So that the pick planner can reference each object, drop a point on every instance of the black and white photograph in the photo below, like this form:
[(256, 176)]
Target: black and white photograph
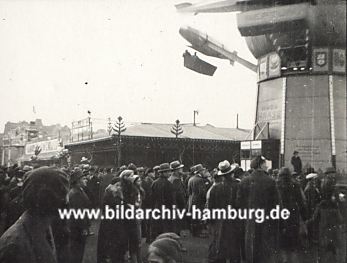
[(173, 131)]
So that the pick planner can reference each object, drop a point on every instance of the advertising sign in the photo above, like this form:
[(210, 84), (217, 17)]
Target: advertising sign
[(274, 65), (46, 146)]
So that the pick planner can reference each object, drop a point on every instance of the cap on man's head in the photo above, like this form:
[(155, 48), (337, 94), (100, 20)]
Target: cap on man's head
[(45, 190), (156, 168), (295, 152)]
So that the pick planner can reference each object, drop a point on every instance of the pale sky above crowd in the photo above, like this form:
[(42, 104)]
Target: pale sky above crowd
[(130, 54)]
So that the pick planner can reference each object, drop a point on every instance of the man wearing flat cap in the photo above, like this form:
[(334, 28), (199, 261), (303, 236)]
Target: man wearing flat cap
[(162, 195), (30, 239)]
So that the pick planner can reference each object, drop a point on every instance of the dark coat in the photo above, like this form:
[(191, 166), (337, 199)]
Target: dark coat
[(259, 191), (78, 199), (332, 243), (227, 233), (162, 193), (197, 192), (23, 243), (297, 165), (112, 237), (293, 199), (179, 192)]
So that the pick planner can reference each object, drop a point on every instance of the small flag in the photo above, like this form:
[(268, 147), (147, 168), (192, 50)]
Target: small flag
[(34, 110)]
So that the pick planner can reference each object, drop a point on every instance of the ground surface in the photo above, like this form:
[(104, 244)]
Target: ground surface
[(197, 249)]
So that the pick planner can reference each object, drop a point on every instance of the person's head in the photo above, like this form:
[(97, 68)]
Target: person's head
[(44, 191), (259, 162), (141, 171), (165, 170), (177, 167), (115, 187), (164, 250), (225, 169), (79, 178), (199, 170), (296, 153), (132, 167)]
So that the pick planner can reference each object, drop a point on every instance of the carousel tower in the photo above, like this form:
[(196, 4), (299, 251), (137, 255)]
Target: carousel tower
[(301, 51)]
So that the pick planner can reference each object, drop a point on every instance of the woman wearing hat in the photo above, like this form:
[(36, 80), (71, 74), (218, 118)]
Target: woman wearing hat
[(112, 238)]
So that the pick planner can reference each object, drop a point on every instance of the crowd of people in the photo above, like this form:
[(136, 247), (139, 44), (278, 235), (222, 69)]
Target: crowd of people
[(32, 232)]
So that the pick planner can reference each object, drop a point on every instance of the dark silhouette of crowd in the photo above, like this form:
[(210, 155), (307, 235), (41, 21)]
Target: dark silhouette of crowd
[(31, 230)]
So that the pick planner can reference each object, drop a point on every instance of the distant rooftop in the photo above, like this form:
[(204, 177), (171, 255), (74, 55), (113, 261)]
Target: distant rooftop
[(162, 130)]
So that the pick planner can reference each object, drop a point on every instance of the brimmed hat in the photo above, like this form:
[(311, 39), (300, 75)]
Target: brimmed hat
[(330, 170), (126, 173), (164, 167), (295, 152), (176, 165), (198, 168), (311, 176), (224, 168), (156, 168)]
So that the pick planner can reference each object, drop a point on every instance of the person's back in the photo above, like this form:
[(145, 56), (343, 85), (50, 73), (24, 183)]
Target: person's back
[(30, 239)]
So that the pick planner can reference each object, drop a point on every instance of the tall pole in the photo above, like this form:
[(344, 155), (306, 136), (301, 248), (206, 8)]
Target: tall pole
[(195, 113), (237, 121)]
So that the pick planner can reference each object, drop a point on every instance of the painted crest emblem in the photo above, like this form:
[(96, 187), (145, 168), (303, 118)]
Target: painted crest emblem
[(321, 58)]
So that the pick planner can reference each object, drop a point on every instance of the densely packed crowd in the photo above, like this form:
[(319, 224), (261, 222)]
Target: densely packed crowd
[(32, 231)]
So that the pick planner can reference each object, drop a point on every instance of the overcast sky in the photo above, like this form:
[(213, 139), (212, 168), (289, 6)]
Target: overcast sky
[(130, 54)]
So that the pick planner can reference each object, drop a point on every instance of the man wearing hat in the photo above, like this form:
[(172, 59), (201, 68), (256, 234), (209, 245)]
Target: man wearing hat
[(197, 196), (79, 228), (30, 239), (258, 191), (226, 244), (179, 191), (162, 195)]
